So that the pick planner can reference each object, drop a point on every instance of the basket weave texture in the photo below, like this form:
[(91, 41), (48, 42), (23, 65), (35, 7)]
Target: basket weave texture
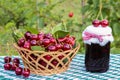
[(57, 62)]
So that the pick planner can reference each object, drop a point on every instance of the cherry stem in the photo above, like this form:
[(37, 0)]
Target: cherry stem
[(100, 10)]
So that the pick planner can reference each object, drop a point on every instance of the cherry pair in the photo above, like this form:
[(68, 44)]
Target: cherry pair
[(103, 23)]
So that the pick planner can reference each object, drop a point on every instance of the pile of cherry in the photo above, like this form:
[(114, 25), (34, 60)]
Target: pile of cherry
[(15, 66), (46, 41)]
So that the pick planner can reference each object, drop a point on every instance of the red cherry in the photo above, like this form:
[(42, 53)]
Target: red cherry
[(54, 62), (66, 47), (34, 37), (27, 35), (18, 71), (33, 42), (61, 56), (51, 48), (43, 63), (58, 46), (70, 40), (14, 66), (7, 66), (40, 36), (45, 42), (96, 23), (16, 60), (33, 57), (52, 40), (48, 36), (27, 45), (61, 39), (21, 42), (7, 59), (71, 14), (48, 57), (104, 23), (26, 72)]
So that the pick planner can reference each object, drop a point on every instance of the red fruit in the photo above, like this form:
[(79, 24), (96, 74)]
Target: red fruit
[(45, 42), (33, 57), (34, 37), (43, 63), (50, 67), (16, 60), (26, 73), (54, 62), (52, 40), (51, 48), (14, 66), (61, 56), (7, 66), (66, 47), (7, 59), (33, 42), (48, 36), (58, 46), (40, 36), (71, 14), (48, 57), (62, 39), (96, 23), (27, 35), (27, 45), (70, 40), (21, 42), (18, 71), (104, 23)]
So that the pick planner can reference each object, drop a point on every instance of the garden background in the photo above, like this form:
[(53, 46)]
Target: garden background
[(18, 16)]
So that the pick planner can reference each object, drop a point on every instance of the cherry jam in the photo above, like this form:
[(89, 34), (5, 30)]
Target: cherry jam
[(97, 57)]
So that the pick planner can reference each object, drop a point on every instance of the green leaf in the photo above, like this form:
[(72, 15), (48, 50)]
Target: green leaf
[(57, 27), (37, 48), (32, 30), (60, 34)]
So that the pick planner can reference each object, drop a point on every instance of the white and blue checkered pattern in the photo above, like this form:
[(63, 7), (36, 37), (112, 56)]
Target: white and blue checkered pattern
[(75, 72)]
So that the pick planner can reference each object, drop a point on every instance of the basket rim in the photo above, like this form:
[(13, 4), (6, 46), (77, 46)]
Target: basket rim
[(16, 46)]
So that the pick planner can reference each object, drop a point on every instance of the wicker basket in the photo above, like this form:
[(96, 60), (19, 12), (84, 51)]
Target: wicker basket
[(36, 62)]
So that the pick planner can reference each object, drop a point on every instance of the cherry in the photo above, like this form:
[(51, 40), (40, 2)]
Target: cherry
[(70, 40), (33, 42), (66, 47), (104, 23), (61, 56), (27, 35), (27, 45), (96, 23), (47, 57), (33, 56), (26, 72), (7, 66), (61, 39), (34, 37), (16, 60), (7, 59), (54, 62), (40, 36), (52, 40), (14, 66), (21, 42), (45, 42), (58, 46), (43, 63), (50, 67), (48, 36), (18, 71), (71, 14), (51, 48)]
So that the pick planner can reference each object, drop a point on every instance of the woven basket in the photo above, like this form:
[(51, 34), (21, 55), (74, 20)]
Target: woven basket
[(36, 62)]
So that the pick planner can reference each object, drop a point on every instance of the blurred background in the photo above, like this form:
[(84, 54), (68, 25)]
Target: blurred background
[(22, 15)]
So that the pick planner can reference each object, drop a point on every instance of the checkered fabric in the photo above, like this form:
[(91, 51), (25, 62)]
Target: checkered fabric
[(75, 72)]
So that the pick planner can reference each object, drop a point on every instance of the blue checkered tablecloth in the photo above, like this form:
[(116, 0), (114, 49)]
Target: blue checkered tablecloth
[(75, 72)]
